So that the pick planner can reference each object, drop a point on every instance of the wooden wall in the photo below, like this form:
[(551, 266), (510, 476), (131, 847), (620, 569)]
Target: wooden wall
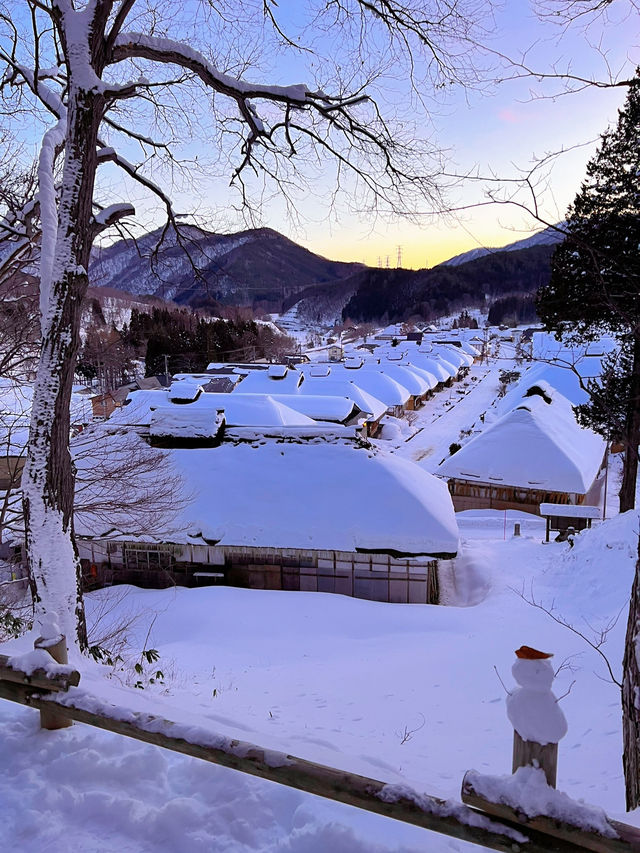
[(376, 577), (466, 495)]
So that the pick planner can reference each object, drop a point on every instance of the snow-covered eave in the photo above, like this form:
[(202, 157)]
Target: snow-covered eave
[(187, 538), (469, 478), (404, 555), (321, 431)]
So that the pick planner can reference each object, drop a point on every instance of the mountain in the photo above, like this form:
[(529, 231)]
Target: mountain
[(396, 295), (258, 267), (548, 237)]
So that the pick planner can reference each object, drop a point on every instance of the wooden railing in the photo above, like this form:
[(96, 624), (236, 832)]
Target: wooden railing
[(57, 696)]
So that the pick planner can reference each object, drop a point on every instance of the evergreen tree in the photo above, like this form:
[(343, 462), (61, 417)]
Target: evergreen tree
[(595, 288), (595, 273), (606, 410)]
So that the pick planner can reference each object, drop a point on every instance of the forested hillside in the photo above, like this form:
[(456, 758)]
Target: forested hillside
[(396, 295)]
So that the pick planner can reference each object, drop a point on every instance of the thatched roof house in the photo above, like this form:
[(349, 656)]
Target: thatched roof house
[(535, 453)]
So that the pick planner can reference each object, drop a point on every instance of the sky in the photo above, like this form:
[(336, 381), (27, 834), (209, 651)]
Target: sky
[(498, 130), (502, 130), (503, 133)]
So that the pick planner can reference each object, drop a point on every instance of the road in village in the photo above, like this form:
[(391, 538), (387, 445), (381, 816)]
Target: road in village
[(440, 421)]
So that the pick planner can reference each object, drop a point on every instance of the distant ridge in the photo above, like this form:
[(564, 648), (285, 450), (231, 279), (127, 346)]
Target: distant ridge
[(547, 237)]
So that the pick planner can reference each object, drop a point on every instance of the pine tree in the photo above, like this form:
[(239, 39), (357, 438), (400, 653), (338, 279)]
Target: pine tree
[(595, 288), (595, 273)]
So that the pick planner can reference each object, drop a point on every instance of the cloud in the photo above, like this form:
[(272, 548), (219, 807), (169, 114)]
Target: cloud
[(509, 116)]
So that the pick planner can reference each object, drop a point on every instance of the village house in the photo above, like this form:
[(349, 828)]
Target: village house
[(373, 410), (317, 380), (276, 379), (292, 511), (104, 405), (536, 453), (415, 381), (369, 377), (443, 371)]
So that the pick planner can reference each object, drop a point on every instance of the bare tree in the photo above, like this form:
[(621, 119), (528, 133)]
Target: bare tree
[(105, 87), (19, 327), (15, 410), (124, 484)]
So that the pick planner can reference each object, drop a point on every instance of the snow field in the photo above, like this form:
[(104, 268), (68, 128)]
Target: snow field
[(402, 693)]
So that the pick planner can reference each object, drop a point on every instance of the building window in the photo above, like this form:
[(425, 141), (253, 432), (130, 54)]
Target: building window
[(147, 559)]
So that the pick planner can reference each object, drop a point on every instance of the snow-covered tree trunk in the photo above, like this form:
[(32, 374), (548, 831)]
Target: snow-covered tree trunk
[(48, 481), (631, 697), (632, 435)]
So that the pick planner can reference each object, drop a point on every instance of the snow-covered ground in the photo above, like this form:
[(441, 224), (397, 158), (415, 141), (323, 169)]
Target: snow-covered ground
[(402, 693)]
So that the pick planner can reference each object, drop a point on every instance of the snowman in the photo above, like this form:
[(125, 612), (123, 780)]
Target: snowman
[(532, 707)]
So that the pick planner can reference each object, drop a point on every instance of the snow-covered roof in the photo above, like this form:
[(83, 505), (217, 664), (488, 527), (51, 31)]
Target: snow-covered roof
[(546, 346), (185, 389), (204, 378), (311, 496), (253, 410), (354, 362), (284, 380), (321, 369), (537, 445), (320, 407), (435, 366), (393, 354), (465, 346), (337, 387), (289, 412), (428, 377), (528, 386), (137, 411), (563, 379), (370, 378), (185, 422), (277, 371), (570, 511), (243, 416), (415, 382), (452, 354)]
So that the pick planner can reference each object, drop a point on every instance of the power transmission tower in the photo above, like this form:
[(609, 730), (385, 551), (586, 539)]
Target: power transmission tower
[(399, 262)]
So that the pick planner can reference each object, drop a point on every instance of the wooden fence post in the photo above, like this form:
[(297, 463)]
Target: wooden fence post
[(529, 753), (57, 648)]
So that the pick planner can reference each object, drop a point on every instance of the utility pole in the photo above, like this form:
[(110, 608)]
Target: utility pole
[(166, 368)]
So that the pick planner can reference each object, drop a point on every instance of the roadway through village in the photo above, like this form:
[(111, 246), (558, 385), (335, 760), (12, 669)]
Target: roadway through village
[(441, 420)]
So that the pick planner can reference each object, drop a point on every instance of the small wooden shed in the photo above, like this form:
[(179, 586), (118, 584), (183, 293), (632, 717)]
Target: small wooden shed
[(561, 517)]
